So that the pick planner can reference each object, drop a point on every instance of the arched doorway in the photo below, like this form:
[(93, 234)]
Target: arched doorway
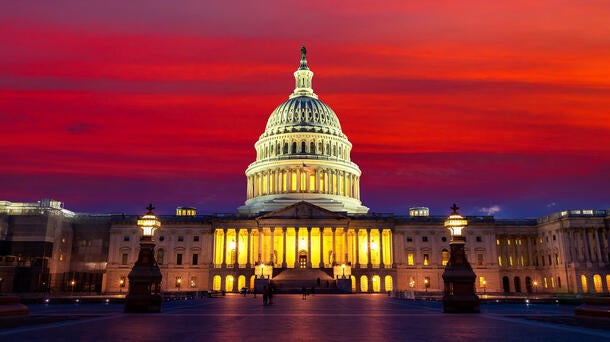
[(241, 282), (506, 284), (302, 259), (528, 284), (353, 283), (517, 282)]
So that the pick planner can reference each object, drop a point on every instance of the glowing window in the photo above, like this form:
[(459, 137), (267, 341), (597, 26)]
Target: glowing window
[(410, 259), (426, 259), (229, 283), (583, 281), (444, 257), (597, 283), (389, 284), (312, 182), (216, 283), (364, 284)]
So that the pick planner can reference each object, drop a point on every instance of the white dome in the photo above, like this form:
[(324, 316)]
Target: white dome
[(303, 156)]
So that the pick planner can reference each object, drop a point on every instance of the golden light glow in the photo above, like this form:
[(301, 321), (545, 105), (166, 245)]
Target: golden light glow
[(302, 244), (456, 223), (232, 244), (149, 223)]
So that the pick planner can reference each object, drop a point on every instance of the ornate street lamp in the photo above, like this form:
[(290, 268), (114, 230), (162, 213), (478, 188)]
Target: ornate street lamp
[(459, 278), (144, 293)]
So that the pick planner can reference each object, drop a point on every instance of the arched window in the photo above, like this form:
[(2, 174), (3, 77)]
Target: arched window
[(285, 148), (229, 283), (364, 284), (389, 284), (216, 283), (376, 283), (353, 278), (241, 282), (597, 283), (303, 147), (312, 147), (294, 147), (583, 281)]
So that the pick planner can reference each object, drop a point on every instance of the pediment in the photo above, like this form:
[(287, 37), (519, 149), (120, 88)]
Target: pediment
[(303, 210)]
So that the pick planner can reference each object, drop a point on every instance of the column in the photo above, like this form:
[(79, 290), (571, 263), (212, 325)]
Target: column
[(357, 245), (271, 254), (308, 246), (588, 256), (381, 262), (260, 245), (236, 247), (248, 261), (284, 232), (334, 230), (368, 250), (345, 250), (296, 247), (321, 248), (298, 179), (599, 244)]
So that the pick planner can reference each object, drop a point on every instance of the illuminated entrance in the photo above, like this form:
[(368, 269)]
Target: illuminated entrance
[(302, 259)]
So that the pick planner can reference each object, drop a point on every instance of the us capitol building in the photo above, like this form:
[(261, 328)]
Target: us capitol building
[(302, 224)]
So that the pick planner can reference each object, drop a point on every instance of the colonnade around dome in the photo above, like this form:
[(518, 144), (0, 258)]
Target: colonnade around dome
[(304, 179), (321, 146)]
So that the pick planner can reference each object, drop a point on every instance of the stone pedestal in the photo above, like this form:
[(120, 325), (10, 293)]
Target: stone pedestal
[(144, 281), (344, 284), (459, 295)]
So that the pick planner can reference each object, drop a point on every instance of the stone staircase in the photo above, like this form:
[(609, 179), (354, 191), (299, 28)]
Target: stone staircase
[(292, 280)]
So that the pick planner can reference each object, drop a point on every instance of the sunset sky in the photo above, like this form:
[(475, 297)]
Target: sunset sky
[(500, 106)]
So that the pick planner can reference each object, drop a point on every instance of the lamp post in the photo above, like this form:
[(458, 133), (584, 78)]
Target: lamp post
[(426, 284), (72, 283), (262, 271), (535, 286), (343, 268), (459, 278), (144, 293), (484, 283), (121, 285)]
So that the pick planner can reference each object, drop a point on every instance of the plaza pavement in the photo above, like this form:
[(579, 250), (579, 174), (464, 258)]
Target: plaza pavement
[(358, 317)]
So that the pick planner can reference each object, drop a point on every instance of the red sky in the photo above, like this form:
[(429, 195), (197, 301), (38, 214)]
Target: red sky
[(502, 107)]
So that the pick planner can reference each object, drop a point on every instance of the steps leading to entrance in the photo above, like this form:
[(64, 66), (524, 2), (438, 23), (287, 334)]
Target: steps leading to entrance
[(292, 280)]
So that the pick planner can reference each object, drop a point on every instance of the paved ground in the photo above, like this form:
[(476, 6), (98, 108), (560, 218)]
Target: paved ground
[(319, 318)]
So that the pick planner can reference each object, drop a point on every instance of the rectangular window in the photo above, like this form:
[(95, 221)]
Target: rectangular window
[(180, 238), (480, 259), (424, 239), (195, 259), (409, 239), (426, 260), (179, 259), (410, 259), (124, 258), (499, 261), (125, 238), (196, 238), (479, 239)]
